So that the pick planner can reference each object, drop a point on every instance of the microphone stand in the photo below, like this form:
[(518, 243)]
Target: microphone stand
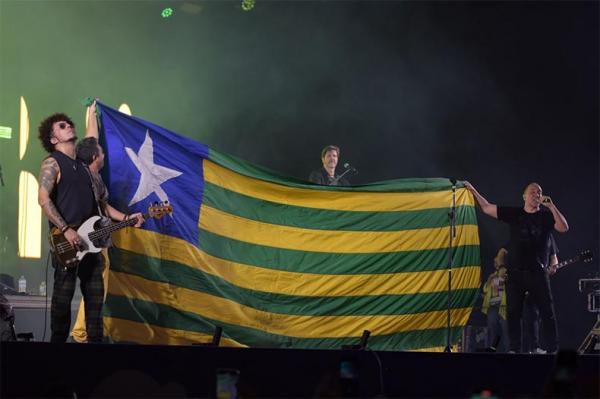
[(337, 178), (451, 236)]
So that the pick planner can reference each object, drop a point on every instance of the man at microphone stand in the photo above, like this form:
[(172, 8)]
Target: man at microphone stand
[(326, 175)]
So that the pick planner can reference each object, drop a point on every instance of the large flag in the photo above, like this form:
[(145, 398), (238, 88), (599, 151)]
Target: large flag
[(275, 261)]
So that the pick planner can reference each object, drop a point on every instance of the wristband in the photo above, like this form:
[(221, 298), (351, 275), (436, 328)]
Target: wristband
[(65, 228)]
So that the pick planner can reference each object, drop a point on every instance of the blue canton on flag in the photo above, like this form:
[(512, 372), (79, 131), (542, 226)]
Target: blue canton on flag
[(146, 163)]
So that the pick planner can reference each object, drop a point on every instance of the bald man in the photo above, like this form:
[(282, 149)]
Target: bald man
[(529, 251)]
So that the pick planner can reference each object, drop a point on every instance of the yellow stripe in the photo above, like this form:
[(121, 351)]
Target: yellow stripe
[(289, 237), (283, 282), (122, 330), (228, 311), (335, 200), (454, 348)]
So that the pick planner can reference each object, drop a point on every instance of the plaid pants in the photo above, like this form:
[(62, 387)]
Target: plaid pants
[(89, 272)]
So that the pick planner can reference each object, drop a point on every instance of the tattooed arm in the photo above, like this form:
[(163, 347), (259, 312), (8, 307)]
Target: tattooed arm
[(49, 176)]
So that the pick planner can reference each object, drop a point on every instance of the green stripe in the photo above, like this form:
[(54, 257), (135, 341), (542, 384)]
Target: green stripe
[(183, 276), (399, 185), (334, 263), (168, 317), (323, 219)]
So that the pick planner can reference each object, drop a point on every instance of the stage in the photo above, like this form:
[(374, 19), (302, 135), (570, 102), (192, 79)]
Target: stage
[(31, 369)]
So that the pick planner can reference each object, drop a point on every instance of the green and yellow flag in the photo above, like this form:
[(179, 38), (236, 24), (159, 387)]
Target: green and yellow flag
[(279, 262)]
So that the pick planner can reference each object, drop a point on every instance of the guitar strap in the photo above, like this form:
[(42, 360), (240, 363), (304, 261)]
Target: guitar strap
[(95, 190)]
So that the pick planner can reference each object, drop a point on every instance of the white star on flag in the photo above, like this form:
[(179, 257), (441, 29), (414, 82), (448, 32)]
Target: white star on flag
[(153, 175)]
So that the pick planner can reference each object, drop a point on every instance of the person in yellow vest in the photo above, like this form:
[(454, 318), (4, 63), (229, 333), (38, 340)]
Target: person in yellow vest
[(494, 304)]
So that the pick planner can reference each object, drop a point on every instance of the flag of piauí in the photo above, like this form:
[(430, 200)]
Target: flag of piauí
[(276, 261)]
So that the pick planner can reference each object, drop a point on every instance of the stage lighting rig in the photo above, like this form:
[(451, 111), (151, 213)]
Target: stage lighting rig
[(591, 286)]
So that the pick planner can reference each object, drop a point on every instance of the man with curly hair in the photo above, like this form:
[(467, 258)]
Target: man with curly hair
[(67, 197)]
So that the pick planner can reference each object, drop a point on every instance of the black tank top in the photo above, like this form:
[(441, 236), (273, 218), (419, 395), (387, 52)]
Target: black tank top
[(73, 196)]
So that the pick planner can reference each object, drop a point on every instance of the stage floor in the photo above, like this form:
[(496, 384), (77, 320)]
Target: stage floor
[(37, 369)]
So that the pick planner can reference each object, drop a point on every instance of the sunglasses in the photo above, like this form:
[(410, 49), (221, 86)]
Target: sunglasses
[(63, 125)]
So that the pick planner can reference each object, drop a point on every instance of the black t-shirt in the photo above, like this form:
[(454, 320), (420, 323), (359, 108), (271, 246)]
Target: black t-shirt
[(530, 243), (320, 176)]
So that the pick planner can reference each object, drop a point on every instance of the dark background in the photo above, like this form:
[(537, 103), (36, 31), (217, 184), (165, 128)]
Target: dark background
[(497, 93)]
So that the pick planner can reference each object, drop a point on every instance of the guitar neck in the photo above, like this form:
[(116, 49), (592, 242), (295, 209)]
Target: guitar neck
[(105, 231), (567, 262)]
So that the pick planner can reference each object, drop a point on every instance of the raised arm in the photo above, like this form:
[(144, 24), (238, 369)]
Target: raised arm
[(560, 222), (486, 207), (92, 122), (49, 176)]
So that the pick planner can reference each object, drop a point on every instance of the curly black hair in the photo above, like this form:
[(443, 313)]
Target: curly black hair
[(45, 129)]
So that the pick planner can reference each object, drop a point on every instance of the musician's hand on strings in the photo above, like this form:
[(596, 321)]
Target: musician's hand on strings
[(139, 217), (73, 238)]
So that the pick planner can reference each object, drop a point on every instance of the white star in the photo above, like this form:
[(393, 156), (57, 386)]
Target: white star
[(153, 175)]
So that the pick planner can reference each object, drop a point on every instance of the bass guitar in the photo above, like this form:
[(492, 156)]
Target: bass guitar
[(585, 256), (93, 233)]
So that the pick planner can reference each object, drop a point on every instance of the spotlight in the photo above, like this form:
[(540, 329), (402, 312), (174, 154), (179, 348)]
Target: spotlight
[(248, 5), (5, 132), (167, 12)]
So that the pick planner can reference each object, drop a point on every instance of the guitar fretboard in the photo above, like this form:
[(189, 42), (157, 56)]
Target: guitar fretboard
[(107, 230), (567, 262), (585, 256)]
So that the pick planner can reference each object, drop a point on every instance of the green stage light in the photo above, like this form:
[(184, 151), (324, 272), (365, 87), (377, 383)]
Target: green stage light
[(248, 5), (5, 132), (167, 12)]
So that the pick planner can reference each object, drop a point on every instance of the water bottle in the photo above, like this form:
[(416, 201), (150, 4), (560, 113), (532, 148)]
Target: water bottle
[(22, 284), (43, 288)]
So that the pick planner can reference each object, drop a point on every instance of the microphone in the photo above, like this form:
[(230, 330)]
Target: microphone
[(350, 168)]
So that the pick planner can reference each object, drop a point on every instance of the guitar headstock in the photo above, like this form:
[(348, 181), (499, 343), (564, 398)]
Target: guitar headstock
[(160, 209), (586, 256)]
